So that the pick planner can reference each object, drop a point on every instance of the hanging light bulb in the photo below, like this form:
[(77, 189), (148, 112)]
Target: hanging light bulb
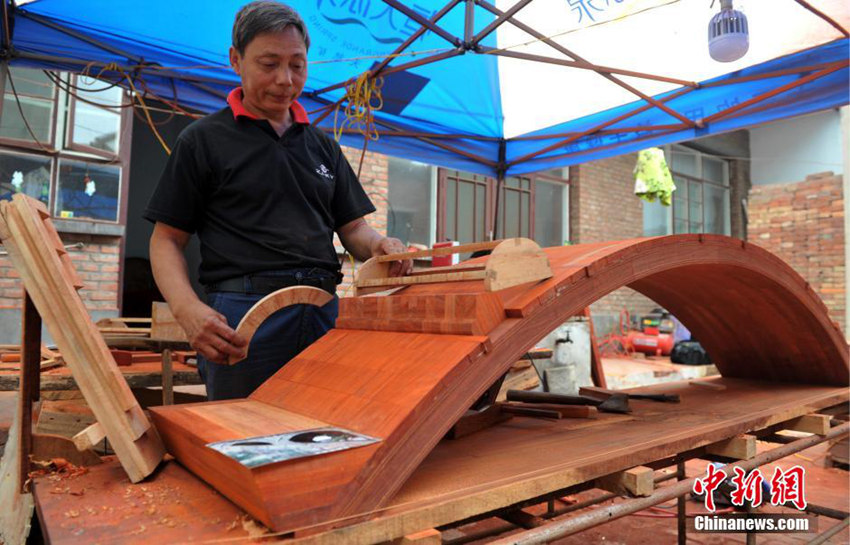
[(728, 34)]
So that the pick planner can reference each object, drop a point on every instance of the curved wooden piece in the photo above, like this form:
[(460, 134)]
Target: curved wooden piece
[(515, 261), (271, 303), (754, 315)]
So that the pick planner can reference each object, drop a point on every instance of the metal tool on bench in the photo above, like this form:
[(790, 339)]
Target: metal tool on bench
[(602, 394), (617, 403)]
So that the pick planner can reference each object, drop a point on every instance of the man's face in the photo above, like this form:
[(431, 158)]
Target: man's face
[(273, 71)]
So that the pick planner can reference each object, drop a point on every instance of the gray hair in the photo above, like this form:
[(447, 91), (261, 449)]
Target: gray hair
[(265, 16)]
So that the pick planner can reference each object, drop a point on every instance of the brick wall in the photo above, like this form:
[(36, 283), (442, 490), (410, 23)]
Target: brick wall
[(96, 262), (603, 207), (374, 179), (803, 223)]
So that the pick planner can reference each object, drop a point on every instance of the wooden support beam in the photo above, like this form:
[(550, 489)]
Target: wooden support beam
[(637, 481), (30, 377), (167, 378), (425, 537), (742, 447), (89, 437), (810, 423)]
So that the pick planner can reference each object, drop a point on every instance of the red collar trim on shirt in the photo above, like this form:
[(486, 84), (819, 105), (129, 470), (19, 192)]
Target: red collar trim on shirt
[(234, 100)]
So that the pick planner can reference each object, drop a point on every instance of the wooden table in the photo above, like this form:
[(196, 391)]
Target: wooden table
[(509, 463), (138, 375)]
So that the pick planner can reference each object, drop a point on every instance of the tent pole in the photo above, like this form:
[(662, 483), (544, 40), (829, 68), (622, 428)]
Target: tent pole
[(7, 30), (469, 24), (776, 74), (582, 66), (825, 17), (454, 40), (597, 128), (777, 91), (381, 65), (561, 49), (501, 168), (82, 37), (499, 20)]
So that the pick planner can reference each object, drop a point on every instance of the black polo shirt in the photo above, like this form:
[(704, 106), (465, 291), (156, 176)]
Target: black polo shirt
[(258, 202)]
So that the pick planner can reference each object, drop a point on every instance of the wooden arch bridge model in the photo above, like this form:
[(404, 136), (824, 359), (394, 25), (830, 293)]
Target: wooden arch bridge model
[(404, 367)]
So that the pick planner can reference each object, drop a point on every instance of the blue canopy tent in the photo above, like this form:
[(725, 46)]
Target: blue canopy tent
[(456, 92)]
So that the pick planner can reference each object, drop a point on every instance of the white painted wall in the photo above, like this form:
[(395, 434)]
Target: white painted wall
[(789, 150)]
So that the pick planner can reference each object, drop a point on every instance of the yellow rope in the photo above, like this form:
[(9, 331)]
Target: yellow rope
[(115, 67), (362, 96)]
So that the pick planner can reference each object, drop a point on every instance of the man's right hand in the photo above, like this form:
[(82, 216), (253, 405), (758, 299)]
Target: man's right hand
[(209, 333)]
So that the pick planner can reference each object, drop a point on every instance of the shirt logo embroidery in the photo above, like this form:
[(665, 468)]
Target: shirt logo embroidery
[(324, 172)]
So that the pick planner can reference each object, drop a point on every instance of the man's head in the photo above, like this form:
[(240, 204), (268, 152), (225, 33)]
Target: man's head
[(269, 53)]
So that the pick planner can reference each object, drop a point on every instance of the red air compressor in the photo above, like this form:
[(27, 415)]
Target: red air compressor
[(656, 335)]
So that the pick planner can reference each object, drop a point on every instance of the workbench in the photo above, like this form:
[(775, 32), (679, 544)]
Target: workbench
[(513, 463)]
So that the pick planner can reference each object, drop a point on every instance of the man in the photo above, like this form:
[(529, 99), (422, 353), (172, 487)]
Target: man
[(265, 191)]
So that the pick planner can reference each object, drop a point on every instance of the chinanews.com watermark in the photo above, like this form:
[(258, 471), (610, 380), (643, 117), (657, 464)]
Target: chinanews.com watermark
[(786, 487)]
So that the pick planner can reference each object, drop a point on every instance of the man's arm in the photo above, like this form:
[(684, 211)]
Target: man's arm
[(206, 329), (364, 242)]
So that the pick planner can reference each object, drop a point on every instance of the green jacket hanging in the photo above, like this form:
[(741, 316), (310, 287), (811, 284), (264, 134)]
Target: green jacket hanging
[(652, 177)]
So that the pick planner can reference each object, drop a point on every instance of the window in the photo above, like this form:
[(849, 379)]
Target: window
[(27, 174), (533, 206), (701, 200), (37, 95), (77, 165), (411, 191)]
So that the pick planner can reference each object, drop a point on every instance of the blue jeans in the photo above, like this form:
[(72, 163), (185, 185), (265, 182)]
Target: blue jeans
[(280, 338)]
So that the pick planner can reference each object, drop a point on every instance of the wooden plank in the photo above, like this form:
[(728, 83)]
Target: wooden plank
[(164, 326), (89, 437), (271, 303), (421, 279), (458, 480), (566, 411), (448, 250), (742, 447), (597, 372), (27, 240), (636, 481), (810, 423), (65, 418), (16, 514)]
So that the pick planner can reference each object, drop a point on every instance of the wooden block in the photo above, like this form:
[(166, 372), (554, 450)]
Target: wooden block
[(595, 392), (523, 519), (425, 537), (637, 481), (164, 326), (527, 379), (129, 357), (89, 437), (49, 447), (516, 261), (65, 418), (742, 447), (474, 421), (810, 423)]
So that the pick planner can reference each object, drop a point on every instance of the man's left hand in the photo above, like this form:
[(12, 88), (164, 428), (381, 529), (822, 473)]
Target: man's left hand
[(388, 245)]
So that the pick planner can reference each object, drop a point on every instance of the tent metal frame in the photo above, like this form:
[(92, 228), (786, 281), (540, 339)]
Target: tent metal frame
[(470, 42)]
